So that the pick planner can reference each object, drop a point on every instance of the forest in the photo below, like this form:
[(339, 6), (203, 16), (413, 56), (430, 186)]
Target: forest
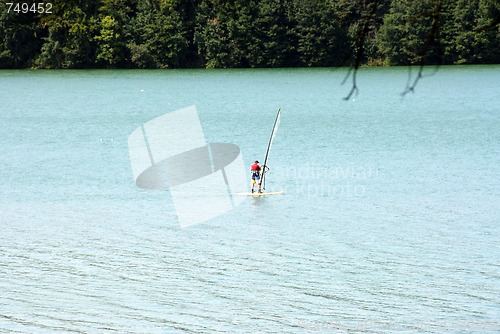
[(150, 34)]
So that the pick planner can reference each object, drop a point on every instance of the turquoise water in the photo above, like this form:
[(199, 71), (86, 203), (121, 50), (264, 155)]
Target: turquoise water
[(389, 221)]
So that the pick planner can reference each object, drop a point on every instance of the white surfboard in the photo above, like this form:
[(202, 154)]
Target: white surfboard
[(257, 194)]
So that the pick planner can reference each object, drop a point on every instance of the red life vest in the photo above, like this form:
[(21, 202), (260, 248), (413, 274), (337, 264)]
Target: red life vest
[(255, 167)]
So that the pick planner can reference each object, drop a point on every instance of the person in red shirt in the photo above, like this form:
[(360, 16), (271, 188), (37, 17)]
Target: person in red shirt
[(255, 171)]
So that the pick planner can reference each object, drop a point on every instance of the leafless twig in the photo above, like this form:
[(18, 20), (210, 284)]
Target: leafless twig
[(360, 42), (431, 37)]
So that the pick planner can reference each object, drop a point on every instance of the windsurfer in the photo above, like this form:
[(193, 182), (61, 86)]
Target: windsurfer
[(255, 172)]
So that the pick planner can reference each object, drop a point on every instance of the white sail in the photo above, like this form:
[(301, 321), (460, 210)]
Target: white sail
[(273, 134), (275, 130)]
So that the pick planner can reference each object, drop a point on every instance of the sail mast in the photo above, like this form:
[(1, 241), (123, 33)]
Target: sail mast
[(273, 134)]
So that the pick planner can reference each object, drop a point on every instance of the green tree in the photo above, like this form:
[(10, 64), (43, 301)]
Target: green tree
[(273, 42), (216, 45), (245, 33), (52, 54), (250, 33), (471, 35), (160, 39), (187, 10), (321, 32), (109, 42), (68, 41), (114, 32), (19, 38), (408, 35)]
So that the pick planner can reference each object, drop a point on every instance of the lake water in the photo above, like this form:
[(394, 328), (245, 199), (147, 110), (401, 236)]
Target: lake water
[(389, 221)]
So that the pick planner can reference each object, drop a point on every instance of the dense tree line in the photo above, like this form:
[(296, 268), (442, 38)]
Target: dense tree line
[(249, 33)]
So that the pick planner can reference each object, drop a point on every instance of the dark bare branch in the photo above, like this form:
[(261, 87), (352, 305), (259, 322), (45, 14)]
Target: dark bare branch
[(368, 18), (431, 38)]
